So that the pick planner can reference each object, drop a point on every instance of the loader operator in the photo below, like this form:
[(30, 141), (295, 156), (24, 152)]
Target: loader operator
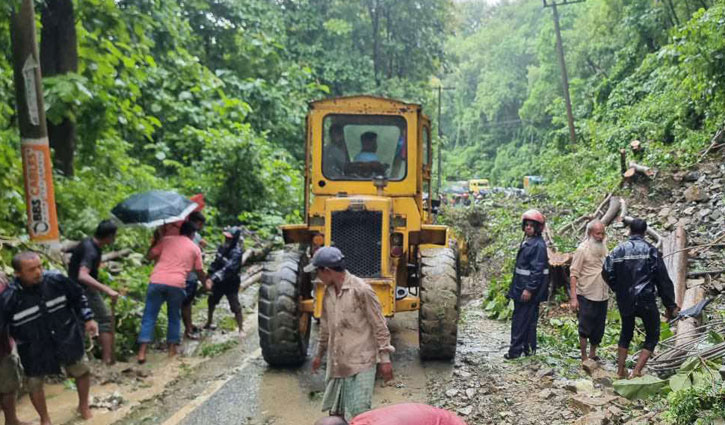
[(353, 333), (529, 285), (369, 149)]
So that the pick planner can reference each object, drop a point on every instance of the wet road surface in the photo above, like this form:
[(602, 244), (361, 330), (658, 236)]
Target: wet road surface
[(238, 387)]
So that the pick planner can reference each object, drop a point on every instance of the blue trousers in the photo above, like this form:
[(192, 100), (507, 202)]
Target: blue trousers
[(156, 295), (523, 328)]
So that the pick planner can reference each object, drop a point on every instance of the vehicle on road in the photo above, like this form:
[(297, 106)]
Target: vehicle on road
[(475, 186), (368, 166)]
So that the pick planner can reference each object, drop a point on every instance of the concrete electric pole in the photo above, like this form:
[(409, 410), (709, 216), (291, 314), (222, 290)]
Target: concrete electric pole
[(562, 63), (34, 148)]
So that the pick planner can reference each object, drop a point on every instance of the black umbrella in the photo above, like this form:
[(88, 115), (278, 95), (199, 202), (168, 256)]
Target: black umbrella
[(153, 208)]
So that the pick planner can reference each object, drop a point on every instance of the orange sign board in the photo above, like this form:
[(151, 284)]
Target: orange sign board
[(39, 193)]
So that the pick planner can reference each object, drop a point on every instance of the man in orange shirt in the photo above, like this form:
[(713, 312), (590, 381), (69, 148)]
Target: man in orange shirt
[(399, 414)]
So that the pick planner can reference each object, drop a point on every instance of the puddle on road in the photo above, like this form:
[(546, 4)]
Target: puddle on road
[(62, 401), (295, 396)]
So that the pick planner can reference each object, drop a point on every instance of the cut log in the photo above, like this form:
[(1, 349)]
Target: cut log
[(674, 254), (686, 326), (642, 169)]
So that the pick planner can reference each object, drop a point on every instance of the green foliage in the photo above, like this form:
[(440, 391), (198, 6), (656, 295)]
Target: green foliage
[(637, 70), (696, 406), (695, 373), (642, 387), (497, 305)]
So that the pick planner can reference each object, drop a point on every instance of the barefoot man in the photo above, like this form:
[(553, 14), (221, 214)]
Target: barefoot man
[(48, 314)]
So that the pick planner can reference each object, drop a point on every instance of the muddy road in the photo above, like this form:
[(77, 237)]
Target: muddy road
[(238, 387)]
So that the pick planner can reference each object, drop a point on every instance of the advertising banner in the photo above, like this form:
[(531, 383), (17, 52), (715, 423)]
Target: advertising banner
[(40, 197)]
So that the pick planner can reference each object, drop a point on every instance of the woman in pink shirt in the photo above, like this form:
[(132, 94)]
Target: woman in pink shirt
[(175, 257), (399, 414)]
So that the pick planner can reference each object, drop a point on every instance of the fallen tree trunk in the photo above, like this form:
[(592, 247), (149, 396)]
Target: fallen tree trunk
[(714, 143), (705, 273), (650, 231), (116, 254), (614, 205), (256, 254), (687, 326), (251, 280), (68, 246), (674, 254)]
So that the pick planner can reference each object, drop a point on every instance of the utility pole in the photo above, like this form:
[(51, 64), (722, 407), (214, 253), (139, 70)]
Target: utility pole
[(440, 136), (34, 148), (562, 64)]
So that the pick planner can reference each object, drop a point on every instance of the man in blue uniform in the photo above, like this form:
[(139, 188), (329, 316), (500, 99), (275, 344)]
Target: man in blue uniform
[(529, 285)]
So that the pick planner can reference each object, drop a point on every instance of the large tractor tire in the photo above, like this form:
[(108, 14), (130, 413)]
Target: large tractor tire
[(440, 290), (284, 331)]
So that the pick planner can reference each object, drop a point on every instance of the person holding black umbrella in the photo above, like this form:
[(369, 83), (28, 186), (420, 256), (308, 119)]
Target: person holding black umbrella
[(175, 257)]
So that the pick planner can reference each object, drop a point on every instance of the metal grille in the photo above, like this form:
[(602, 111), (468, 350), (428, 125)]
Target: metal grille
[(358, 234)]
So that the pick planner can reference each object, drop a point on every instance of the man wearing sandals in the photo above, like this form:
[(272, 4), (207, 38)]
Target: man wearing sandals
[(636, 273), (589, 292)]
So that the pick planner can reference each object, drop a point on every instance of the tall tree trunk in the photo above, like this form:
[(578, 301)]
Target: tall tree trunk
[(59, 55), (374, 11), (674, 12)]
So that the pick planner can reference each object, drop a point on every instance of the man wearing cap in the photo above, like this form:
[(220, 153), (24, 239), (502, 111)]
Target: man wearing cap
[(353, 333), (224, 276), (529, 285)]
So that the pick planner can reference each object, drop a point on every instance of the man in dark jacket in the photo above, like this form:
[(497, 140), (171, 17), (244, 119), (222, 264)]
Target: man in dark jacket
[(636, 273), (44, 312), (10, 371), (224, 276), (83, 268), (529, 285)]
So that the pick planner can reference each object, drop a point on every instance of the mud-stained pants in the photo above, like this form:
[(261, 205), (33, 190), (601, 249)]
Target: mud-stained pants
[(523, 328)]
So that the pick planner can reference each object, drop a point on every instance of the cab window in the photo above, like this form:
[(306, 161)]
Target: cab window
[(361, 147)]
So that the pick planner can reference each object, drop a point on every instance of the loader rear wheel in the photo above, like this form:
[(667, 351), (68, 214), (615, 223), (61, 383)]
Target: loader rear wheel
[(439, 303), (284, 331)]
